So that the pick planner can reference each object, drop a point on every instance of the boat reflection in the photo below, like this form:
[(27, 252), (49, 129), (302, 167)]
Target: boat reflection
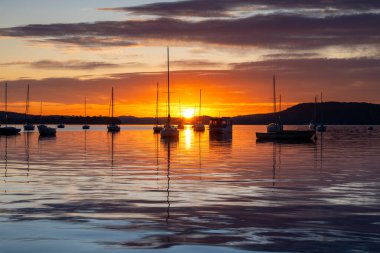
[(27, 142)]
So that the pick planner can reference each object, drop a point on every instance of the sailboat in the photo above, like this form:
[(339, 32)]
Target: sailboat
[(113, 127), (313, 123), (169, 131), (275, 131), (321, 127), (157, 128), (85, 126), (43, 129), (28, 126), (198, 126), (8, 130)]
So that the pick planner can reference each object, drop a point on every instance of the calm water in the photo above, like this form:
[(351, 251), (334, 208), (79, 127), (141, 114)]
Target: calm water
[(90, 191)]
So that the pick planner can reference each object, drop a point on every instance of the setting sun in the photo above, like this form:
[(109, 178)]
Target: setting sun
[(188, 113)]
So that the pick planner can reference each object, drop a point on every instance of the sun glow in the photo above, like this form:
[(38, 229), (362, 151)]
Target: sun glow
[(188, 113)]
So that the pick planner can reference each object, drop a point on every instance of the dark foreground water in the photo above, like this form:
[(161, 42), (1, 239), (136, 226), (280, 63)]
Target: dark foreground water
[(90, 191)]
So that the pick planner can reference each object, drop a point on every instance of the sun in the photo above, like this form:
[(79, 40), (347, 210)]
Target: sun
[(188, 113)]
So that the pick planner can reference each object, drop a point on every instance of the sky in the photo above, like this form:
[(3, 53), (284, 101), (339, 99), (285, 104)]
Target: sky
[(69, 50)]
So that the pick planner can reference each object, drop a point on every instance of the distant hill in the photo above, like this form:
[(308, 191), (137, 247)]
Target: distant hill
[(334, 113)]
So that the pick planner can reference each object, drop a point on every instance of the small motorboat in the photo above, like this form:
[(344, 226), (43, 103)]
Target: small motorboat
[(220, 125), (113, 127), (61, 125), (46, 131), (85, 127), (157, 129), (29, 127)]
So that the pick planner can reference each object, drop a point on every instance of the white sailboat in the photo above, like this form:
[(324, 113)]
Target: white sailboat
[(28, 126), (7, 130), (199, 126), (85, 126), (113, 127), (276, 126), (169, 131), (321, 127), (313, 123)]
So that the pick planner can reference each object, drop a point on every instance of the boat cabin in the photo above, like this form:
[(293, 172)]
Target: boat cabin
[(220, 125)]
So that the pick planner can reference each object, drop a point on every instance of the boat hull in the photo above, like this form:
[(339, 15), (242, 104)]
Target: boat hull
[(157, 129), (85, 127), (286, 135), (113, 128), (169, 132), (46, 131), (29, 127), (61, 126), (321, 128), (9, 130), (199, 128)]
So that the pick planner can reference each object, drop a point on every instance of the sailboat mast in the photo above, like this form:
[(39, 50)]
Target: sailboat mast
[(85, 107), (157, 106), (274, 94), (27, 104), (200, 102), (279, 110), (6, 104), (321, 109), (168, 88), (112, 104), (315, 110), (41, 112)]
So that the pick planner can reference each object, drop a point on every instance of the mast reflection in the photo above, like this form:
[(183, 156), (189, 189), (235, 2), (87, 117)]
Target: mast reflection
[(168, 144), (27, 137)]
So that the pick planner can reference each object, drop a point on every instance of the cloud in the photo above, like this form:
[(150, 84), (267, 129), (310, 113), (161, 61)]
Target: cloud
[(224, 8), (196, 64), (64, 65), (268, 31)]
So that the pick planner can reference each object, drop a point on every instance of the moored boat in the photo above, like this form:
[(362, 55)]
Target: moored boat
[(85, 126), (112, 127), (275, 131), (169, 131), (157, 128), (287, 135), (321, 127), (7, 130), (220, 125), (199, 126), (28, 126), (46, 131)]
